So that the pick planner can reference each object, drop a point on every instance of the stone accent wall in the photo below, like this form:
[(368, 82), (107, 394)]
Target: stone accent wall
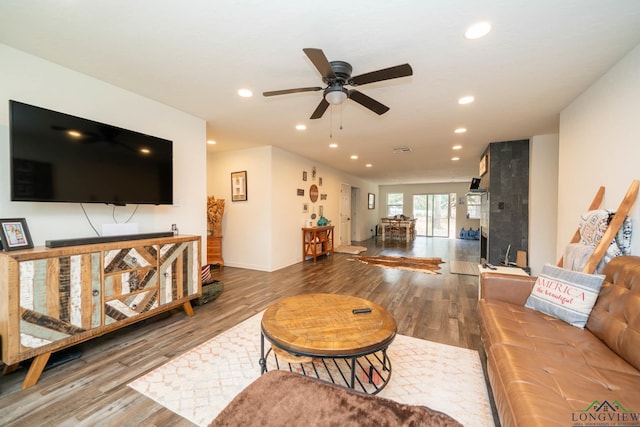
[(507, 182)]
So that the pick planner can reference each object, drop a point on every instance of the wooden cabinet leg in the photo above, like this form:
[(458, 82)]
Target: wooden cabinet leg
[(188, 309), (37, 366), (10, 368)]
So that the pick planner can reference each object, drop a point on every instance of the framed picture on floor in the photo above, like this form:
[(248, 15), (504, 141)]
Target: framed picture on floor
[(14, 234)]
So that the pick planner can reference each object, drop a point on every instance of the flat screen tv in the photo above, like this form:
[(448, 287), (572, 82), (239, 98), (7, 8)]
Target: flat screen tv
[(475, 184), (57, 157)]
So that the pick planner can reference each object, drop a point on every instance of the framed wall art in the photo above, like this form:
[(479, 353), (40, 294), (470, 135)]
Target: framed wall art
[(371, 201), (239, 186), (482, 169), (14, 234)]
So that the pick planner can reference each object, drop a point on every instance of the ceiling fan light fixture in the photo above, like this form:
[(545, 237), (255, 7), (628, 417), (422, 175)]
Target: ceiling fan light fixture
[(335, 95)]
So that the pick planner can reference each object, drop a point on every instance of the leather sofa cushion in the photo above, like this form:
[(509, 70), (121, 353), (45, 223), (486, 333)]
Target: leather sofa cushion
[(615, 318), (542, 369), (547, 338)]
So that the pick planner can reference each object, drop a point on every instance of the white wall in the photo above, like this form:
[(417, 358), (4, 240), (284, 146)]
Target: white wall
[(543, 201), (38, 82), (246, 226), (264, 233), (600, 145)]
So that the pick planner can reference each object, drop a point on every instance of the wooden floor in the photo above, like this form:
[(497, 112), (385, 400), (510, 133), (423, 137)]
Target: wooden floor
[(92, 390)]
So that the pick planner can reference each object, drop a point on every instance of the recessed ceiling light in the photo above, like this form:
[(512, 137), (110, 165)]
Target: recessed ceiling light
[(301, 127), (369, 165), (245, 93), (74, 133), (466, 100), (211, 142), (333, 145), (460, 130), (456, 147), (477, 30), (145, 151), (354, 157), (455, 159)]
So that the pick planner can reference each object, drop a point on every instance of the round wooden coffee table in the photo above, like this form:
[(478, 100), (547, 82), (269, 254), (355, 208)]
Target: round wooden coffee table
[(324, 336)]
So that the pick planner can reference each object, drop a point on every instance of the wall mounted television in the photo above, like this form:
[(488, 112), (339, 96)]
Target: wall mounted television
[(57, 157)]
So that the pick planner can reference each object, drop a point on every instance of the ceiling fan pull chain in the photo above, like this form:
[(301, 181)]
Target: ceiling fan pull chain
[(331, 123), (340, 116)]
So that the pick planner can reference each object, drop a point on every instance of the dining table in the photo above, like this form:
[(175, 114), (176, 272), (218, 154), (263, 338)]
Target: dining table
[(399, 228)]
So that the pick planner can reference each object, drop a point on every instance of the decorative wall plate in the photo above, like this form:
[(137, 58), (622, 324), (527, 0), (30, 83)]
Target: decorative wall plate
[(313, 193)]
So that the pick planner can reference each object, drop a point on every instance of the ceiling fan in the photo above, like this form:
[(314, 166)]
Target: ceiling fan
[(336, 75)]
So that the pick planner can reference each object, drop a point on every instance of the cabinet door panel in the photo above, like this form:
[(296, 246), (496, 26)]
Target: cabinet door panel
[(130, 281), (130, 258), (128, 306), (179, 271), (59, 297)]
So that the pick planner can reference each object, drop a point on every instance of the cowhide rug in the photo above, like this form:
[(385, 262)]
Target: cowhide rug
[(425, 265)]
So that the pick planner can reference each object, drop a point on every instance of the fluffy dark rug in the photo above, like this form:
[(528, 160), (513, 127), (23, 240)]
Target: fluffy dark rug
[(210, 291), (280, 398), (425, 265)]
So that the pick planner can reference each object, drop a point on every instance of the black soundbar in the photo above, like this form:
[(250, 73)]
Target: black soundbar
[(104, 239)]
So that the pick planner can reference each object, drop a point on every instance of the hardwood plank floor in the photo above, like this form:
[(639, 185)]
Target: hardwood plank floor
[(92, 390)]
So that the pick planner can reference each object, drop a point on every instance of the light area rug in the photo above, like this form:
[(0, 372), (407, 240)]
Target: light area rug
[(353, 250), (464, 267), (198, 384)]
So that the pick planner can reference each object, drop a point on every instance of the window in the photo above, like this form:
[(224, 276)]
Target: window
[(395, 204), (473, 206)]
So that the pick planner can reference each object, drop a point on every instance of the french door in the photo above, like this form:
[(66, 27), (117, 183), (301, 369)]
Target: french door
[(433, 214)]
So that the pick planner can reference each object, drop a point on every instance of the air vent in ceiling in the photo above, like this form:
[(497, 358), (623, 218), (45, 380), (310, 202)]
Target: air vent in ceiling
[(402, 149)]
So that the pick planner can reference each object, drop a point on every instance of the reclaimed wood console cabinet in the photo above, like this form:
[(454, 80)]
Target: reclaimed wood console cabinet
[(53, 298)]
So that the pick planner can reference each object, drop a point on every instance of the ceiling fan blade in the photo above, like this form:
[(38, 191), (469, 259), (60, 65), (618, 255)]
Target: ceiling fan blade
[(368, 102), (403, 70), (286, 91), (321, 62), (320, 109)]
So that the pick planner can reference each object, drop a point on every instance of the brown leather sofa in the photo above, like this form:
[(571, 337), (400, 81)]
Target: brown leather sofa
[(544, 372)]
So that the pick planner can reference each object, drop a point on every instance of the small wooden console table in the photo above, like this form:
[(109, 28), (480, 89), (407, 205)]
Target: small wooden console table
[(317, 241)]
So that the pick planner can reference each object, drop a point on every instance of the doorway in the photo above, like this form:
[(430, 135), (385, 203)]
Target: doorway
[(433, 214), (344, 231)]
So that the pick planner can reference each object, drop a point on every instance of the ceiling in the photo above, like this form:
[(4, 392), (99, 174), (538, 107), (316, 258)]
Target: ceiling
[(195, 55)]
